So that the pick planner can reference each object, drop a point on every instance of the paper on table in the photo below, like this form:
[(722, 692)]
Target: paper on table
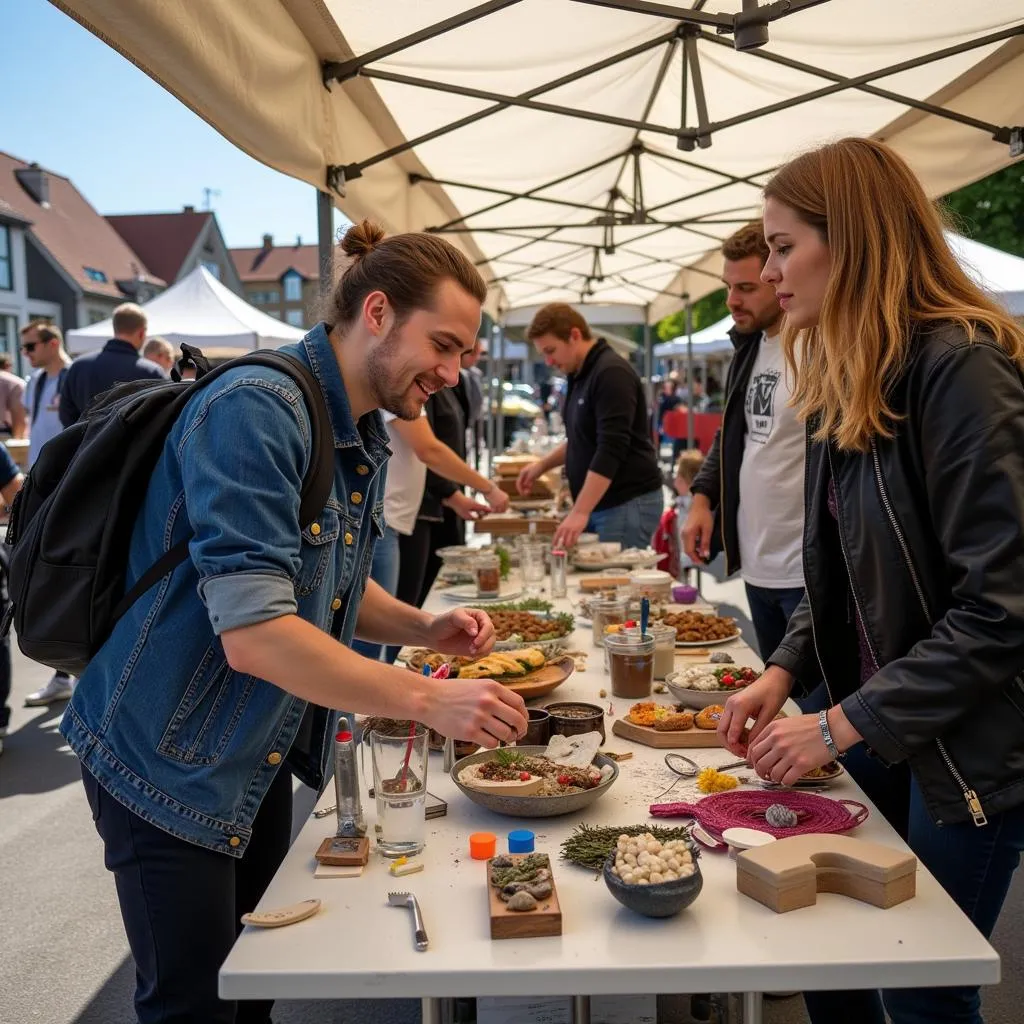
[(337, 871), (518, 1009), (573, 751)]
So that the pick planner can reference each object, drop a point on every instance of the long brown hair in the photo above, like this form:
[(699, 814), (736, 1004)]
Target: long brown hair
[(892, 272), (407, 268)]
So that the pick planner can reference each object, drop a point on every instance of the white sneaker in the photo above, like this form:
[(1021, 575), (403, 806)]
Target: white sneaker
[(58, 688)]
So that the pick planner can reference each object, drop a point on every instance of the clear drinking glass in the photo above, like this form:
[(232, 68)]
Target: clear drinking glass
[(531, 557), (400, 787)]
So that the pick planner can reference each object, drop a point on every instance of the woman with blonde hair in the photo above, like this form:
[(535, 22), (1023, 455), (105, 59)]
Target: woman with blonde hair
[(909, 379)]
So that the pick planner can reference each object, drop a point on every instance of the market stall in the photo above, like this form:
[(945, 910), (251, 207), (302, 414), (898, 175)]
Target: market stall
[(356, 946)]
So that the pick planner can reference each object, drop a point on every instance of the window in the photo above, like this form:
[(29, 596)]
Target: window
[(6, 282), (213, 268), (294, 317), (292, 287), (95, 275), (96, 315), (267, 298)]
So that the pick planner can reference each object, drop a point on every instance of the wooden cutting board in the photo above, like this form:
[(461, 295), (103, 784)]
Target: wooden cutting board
[(789, 873), (507, 526), (544, 680), (523, 924), (665, 740)]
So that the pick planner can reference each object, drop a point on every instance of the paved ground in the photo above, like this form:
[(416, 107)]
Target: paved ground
[(64, 957)]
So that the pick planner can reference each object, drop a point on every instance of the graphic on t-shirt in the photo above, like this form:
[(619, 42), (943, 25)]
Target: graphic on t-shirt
[(761, 404)]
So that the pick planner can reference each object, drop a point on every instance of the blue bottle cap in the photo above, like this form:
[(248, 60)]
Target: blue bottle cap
[(520, 841)]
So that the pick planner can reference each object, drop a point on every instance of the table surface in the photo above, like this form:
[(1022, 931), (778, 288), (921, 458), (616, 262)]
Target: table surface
[(359, 947)]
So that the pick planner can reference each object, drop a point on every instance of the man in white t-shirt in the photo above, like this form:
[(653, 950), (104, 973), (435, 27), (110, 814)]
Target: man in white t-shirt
[(748, 497), (415, 450)]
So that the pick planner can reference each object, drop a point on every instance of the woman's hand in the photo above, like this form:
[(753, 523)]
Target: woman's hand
[(789, 748), (762, 701)]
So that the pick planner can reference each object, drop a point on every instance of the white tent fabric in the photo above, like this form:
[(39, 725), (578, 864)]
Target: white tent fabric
[(999, 273), (587, 164), (198, 310), (708, 341)]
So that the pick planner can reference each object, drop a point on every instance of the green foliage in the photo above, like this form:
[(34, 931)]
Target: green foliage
[(706, 312), (991, 211)]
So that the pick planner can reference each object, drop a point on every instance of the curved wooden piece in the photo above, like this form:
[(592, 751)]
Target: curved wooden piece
[(789, 874)]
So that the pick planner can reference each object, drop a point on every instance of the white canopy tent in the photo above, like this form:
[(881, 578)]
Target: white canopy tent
[(200, 311), (712, 340), (581, 150)]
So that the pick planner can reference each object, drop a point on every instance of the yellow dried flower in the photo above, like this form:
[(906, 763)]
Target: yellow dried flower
[(711, 781)]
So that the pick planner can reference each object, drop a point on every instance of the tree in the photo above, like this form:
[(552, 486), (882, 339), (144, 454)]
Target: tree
[(991, 211), (706, 312)]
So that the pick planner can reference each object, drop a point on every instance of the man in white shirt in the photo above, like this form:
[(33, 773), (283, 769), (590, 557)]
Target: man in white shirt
[(748, 497)]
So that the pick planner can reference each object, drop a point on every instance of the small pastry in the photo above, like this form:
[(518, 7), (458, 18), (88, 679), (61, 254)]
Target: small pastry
[(675, 723), (709, 717)]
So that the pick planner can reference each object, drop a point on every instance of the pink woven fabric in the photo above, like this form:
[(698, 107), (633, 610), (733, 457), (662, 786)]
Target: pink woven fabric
[(745, 809)]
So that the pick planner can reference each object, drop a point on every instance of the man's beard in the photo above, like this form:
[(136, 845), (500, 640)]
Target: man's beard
[(388, 393)]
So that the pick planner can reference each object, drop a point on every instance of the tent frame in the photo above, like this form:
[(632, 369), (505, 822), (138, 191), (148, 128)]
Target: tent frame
[(748, 30)]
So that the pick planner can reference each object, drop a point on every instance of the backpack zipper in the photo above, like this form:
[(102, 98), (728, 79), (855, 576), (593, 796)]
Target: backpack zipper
[(970, 796)]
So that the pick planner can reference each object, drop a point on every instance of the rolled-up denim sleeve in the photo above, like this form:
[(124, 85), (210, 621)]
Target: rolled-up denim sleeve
[(243, 456)]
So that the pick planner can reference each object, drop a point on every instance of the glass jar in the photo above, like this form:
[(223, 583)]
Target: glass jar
[(630, 664), (652, 584), (487, 569), (606, 611), (664, 648)]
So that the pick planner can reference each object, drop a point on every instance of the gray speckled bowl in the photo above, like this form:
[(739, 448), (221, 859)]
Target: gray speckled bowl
[(532, 806), (662, 900)]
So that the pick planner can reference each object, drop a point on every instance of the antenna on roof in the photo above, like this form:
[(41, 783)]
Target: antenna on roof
[(208, 194)]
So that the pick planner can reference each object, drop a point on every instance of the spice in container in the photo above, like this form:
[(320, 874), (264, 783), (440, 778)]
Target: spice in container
[(630, 663), (559, 587), (346, 784), (488, 575), (651, 583), (604, 612), (664, 649)]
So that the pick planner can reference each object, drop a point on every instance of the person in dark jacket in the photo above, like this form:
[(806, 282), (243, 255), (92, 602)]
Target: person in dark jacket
[(608, 453), (748, 498), (910, 381), (116, 363)]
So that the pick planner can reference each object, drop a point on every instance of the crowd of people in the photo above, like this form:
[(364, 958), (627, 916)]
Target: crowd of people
[(867, 484)]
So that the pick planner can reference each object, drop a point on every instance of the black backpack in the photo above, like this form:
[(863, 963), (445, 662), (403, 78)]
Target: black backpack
[(72, 522)]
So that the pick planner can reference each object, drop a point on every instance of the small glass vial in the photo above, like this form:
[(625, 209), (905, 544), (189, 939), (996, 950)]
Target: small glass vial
[(346, 784), (559, 588)]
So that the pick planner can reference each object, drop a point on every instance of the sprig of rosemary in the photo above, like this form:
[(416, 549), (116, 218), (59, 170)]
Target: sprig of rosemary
[(589, 847)]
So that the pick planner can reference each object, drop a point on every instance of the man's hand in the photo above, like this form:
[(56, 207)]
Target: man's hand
[(466, 631), (527, 478), (762, 701), (569, 530), (478, 710), (697, 529), (789, 748), (497, 499), (465, 507)]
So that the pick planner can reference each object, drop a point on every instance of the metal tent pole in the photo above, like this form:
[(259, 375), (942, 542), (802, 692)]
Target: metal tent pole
[(499, 439), (325, 241), (689, 373)]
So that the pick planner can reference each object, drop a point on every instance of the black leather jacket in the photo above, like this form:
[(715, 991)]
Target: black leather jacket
[(929, 551)]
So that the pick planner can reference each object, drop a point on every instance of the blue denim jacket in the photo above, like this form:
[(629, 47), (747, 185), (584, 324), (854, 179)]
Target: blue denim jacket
[(159, 717)]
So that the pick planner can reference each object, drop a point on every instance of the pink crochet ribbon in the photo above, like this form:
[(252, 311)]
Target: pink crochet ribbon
[(745, 808)]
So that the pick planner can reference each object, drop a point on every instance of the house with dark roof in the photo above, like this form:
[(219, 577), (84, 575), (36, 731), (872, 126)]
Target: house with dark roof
[(282, 280), (15, 308), (67, 263), (172, 245)]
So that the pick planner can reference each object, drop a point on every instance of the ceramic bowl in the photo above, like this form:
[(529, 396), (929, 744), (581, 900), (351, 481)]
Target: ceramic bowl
[(699, 698), (665, 899), (533, 806)]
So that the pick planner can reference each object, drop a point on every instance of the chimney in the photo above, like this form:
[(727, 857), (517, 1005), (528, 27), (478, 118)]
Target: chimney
[(298, 241), (189, 209), (268, 242), (36, 182)]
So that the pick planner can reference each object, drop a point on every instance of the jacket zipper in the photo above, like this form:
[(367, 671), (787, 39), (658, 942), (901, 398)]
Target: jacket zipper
[(970, 796), (807, 589), (721, 482)]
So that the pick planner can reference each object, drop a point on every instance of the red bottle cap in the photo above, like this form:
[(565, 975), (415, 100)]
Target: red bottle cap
[(344, 737)]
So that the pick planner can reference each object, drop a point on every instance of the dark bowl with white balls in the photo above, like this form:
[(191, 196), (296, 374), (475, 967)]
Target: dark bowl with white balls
[(660, 899)]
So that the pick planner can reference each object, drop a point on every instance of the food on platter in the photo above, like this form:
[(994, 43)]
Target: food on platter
[(500, 665), (643, 860), (529, 626), (522, 882), (660, 717), (510, 766), (708, 678), (709, 717), (698, 627), (826, 771)]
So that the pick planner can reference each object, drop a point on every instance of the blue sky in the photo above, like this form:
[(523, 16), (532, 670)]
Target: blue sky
[(68, 98)]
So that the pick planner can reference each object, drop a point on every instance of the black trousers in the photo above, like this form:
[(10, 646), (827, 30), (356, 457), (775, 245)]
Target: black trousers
[(181, 904), (418, 565)]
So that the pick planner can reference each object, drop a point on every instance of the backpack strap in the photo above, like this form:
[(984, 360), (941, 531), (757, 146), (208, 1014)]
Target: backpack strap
[(316, 486), (37, 394)]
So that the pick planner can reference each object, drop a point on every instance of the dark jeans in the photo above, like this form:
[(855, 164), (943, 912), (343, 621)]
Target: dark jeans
[(770, 612), (383, 570), (181, 904), (974, 865), (418, 565)]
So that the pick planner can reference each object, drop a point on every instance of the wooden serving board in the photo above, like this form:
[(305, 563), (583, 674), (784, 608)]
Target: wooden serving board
[(523, 924), (544, 680), (508, 526), (665, 740), (789, 873)]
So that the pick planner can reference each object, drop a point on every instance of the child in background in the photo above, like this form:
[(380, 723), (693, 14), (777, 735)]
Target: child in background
[(668, 539)]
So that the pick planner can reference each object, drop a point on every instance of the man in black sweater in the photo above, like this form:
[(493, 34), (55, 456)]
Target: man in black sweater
[(116, 363), (608, 453)]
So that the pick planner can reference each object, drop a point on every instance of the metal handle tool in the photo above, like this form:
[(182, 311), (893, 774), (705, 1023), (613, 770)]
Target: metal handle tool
[(407, 899)]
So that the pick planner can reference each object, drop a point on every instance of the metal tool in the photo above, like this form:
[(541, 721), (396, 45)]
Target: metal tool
[(407, 899), (686, 768)]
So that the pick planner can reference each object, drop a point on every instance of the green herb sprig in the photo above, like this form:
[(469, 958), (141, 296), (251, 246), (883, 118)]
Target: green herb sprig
[(589, 847)]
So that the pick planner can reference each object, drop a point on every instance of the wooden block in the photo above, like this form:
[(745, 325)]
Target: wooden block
[(789, 874), (593, 584), (690, 738), (523, 924), (503, 525), (342, 851)]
